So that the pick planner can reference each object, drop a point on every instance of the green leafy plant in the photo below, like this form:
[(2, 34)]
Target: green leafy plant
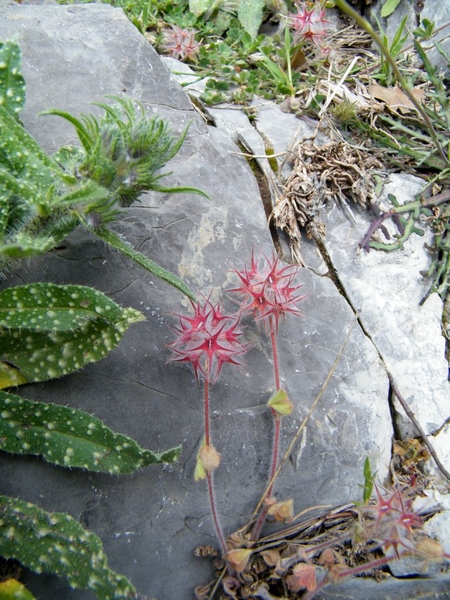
[(57, 543), (369, 478), (70, 438), (418, 140), (283, 79), (48, 330), (389, 7), (249, 12), (59, 325), (385, 74), (48, 197)]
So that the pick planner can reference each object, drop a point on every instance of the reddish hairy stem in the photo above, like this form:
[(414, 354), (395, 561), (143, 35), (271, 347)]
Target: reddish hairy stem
[(206, 411), (273, 339), (374, 564), (277, 421), (212, 502), (371, 565)]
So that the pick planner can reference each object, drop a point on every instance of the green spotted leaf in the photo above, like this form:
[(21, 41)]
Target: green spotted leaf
[(250, 15), (56, 543), (47, 330), (12, 84), (70, 437), (51, 307)]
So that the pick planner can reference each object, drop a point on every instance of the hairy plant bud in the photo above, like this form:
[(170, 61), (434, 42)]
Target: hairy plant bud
[(209, 457), (282, 511), (280, 403), (238, 559)]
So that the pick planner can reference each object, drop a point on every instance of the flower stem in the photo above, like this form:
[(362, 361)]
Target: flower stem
[(206, 410), (276, 436), (273, 339), (209, 476), (215, 516)]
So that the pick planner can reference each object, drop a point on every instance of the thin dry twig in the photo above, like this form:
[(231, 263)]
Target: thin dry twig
[(418, 426)]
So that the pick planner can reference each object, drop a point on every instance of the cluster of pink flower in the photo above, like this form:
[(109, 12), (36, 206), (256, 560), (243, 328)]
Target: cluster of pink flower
[(209, 339), (180, 43), (309, 24), (393, 519)]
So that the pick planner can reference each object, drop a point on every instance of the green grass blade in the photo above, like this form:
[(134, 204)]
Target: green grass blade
[(111, 238)]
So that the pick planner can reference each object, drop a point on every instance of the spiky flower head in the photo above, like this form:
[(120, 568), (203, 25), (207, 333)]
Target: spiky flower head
[(180, 43), (208, 340), (392, 519), (309, 23), (268, 292)]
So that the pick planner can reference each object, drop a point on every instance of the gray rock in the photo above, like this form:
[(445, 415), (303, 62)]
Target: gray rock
[(388, 589), (436, 11), (439, 526), (151, 522), (441, 444), (387, 288), (185, 76)]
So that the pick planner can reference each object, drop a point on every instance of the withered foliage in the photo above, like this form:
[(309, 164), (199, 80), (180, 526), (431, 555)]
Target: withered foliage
[(301, 559), (334, 171)]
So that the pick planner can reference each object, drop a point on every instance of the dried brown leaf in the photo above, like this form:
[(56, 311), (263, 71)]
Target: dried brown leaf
[(282, 511), (395, 97), (271, 557), (303, 576), (238, 559)]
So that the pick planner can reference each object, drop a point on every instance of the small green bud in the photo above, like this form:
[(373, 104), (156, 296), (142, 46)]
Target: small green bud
[(280, 403), (11, 589)]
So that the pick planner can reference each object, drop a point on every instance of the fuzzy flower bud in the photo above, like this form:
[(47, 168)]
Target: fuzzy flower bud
[(280, 403), (238, 559), (282, 511), (209, 457)]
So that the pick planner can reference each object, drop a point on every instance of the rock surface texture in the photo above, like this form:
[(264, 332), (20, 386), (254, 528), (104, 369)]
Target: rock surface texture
[(150, 523), (435, 11)]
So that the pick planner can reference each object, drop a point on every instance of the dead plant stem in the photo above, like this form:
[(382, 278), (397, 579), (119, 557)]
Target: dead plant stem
[(418, 426)]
